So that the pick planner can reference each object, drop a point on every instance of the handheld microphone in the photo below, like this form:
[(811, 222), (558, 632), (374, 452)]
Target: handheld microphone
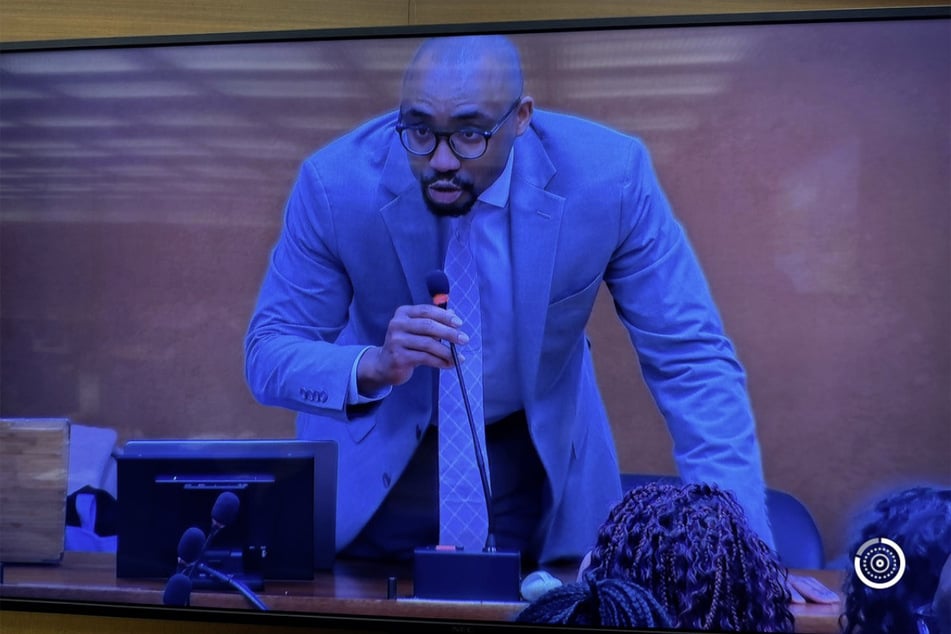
[(438, 286), (454, 574)]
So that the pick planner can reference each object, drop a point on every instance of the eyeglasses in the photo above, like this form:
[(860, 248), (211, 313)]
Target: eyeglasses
[(467, 143)]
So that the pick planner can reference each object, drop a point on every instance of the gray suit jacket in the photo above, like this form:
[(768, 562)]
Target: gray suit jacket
[(585, 208)]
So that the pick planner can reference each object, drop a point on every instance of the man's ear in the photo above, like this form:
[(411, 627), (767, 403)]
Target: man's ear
[(523, 115)]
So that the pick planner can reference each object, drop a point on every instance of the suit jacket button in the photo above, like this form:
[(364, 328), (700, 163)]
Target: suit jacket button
[(386, 480), (321, 396)]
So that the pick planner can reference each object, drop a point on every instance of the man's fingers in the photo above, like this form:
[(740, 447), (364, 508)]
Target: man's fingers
[(430, 311), (429, 321), (413, 349), (416, 337)]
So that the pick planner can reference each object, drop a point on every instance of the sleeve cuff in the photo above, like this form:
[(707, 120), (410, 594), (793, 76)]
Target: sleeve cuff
[(353, 393)]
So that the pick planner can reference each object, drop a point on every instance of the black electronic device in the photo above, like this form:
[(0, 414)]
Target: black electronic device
[(287, 493)]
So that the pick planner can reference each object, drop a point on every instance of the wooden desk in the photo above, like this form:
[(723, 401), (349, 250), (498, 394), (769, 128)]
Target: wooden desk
[(353, 588)]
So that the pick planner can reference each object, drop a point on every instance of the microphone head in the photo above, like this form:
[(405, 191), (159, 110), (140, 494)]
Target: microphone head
[(178, 590), (191, 544), (225, 510), (438, 286)]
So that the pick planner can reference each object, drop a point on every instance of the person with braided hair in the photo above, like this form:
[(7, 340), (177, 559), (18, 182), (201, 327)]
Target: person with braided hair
[(918, 520), (597, 602), (692, 548)]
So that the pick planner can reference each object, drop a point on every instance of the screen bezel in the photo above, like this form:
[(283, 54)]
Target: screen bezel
[(504, 28), (645, 22)]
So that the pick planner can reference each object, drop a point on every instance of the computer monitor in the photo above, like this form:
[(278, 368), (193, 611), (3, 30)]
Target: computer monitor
[(284, 527)]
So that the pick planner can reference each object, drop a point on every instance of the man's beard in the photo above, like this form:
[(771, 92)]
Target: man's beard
[(449, 210)]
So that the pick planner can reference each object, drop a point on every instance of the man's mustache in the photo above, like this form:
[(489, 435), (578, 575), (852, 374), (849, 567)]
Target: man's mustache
[(446, 180)]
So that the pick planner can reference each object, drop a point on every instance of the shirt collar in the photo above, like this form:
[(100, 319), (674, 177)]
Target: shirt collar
[(497, 193)]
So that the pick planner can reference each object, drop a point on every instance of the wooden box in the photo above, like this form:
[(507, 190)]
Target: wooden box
[(34, 456)]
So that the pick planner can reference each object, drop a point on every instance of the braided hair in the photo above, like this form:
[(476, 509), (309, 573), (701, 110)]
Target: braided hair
[(597, 602), (918, 519), (693, 549)]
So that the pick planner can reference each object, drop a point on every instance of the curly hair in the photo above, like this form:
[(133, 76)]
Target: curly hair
[(597, 602), (918, 519), (693, 549)]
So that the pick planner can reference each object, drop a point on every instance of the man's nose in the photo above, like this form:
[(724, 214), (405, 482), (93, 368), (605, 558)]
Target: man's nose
[(443, 159)]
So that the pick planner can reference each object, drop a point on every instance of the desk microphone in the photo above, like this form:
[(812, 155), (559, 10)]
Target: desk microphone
[(237, 584), (179, 586), (178, 589), (223, 513), (191, 549), (454, 574), (438, 286)]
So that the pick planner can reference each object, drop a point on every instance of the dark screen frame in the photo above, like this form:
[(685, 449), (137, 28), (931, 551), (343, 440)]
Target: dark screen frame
[(504, 28), (366, 623)]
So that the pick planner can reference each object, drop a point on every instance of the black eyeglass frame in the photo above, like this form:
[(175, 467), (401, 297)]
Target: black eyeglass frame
[(443, 134)]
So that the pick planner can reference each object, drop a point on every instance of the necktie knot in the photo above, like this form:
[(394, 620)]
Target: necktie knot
[(460, 229)]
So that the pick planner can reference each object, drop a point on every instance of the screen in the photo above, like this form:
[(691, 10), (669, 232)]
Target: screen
[(143, 183), (277, 525)]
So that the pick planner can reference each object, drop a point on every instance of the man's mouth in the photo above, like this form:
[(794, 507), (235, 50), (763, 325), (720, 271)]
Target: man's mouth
[(444, 192)]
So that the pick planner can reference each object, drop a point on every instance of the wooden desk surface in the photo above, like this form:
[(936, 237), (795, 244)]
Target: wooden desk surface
[(353, 588)]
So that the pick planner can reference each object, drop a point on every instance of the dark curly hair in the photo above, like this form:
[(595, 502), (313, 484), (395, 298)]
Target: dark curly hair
[(597, 602), (918, 519), (693, 549)]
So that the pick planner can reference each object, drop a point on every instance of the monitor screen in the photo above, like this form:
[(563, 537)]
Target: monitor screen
[(143, 186), (278, 524)]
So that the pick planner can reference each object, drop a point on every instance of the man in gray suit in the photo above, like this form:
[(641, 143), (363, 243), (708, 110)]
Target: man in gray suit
[(346, 333)]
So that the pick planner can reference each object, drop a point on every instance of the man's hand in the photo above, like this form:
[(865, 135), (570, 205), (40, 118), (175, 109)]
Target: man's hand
[(414, 337)]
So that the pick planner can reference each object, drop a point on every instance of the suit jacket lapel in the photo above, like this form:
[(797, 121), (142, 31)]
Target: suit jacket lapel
[(536, 221), (414, 231)]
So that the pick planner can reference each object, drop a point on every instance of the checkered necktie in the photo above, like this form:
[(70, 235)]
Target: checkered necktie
[(463, 520)]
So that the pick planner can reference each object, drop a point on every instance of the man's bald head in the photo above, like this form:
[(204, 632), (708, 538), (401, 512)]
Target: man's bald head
[(491, 60), (468, 89)]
